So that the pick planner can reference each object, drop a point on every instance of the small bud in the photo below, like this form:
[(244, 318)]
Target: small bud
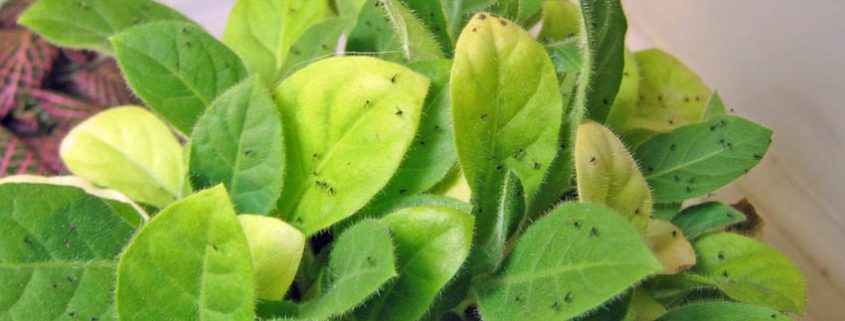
[(276, 249)]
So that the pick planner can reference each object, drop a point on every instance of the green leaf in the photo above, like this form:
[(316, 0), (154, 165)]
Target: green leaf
[(715, 107), (749, 271), (509, 214), (177, 69), (58, 259), (561, 20), (617, 309), (603, 51), (707, 217), (670, 94), (521, 11), (607, 174), (348, 123), (373, 34), (719, 311), (190, 262), (88, 24), (349, 8), (130, 150), (506, 108), (431, 244), (666, 211), (238, 142), (377, 210), (567, 61), (318, 42), (457, 13), (276, 249), (361, 262), (433, 17), (432, 154), (262, 32), (628, 95), (417, 42), (566, 264), (697, 159)]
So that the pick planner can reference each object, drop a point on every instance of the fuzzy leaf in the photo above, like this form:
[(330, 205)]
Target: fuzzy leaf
[(561, 21), (521, 11), (60, 246), (197, 249), (507, 110), (671, 247), (25, 61), (433, 18), (431, 245), (377, 210), (749, 271), (561, 269), (708, 217), (88, 24), (238, 142), (361, 262), (565, 56), (432, 154), (719, 311), (276, 249), (671, 95), (607, 174), (342, 151), (373, 34), (697, 159), (136, 154), (177, 69), (417, 42), (262, 32), (603, 31), (627, 97), (318, 42)]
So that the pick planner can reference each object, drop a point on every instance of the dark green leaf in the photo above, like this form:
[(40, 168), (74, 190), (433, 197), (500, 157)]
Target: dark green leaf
[(561, 267), (719, 311), (88, 24), (431, 244), (58, 260), (361, 262), (604, 27), (177, 69), (707, 217), (697, 159), (238, 142)]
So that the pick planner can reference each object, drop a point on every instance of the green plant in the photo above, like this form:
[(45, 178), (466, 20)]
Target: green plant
[(285, 184)]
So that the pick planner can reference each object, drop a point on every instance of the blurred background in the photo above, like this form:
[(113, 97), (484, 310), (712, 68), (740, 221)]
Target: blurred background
[(779, 62)]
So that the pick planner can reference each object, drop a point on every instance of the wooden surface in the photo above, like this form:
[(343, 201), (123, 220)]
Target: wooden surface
[(780, 62)]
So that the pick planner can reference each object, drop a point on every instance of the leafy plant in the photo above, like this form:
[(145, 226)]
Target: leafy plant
[(443, 164)]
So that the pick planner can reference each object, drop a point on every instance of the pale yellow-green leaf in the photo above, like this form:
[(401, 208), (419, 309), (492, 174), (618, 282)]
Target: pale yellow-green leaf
[(671, 247), (607, 174), (276, 249), (130, 150)]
